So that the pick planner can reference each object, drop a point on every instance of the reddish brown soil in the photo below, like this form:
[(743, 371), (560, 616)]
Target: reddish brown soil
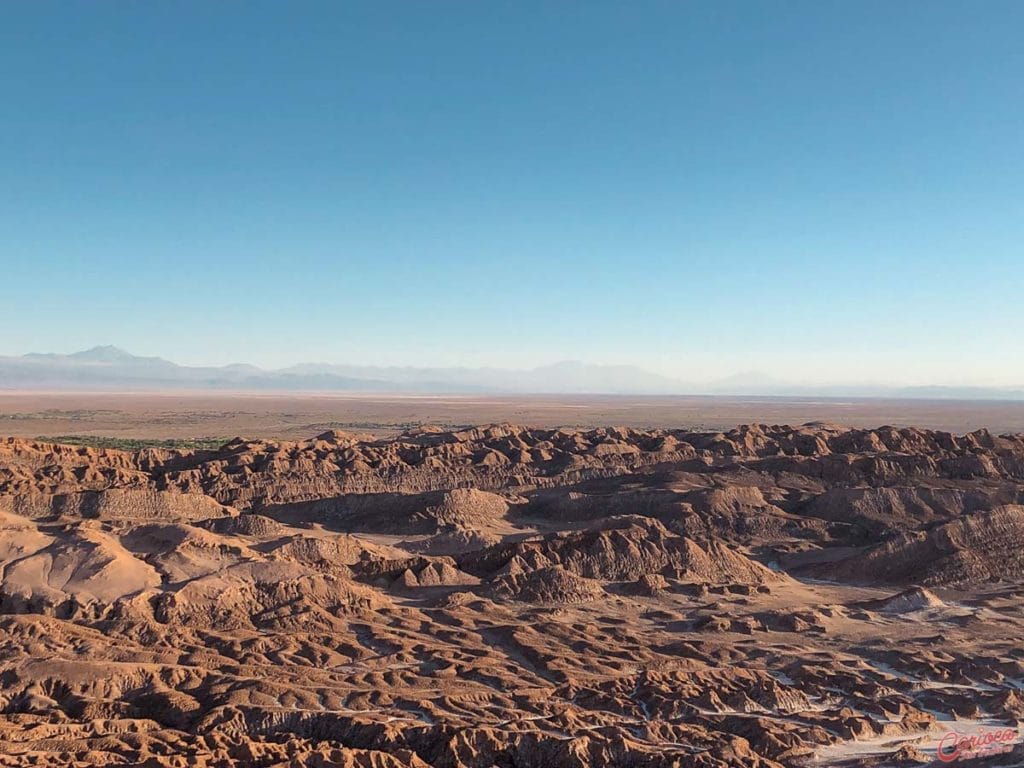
[(511, 596)]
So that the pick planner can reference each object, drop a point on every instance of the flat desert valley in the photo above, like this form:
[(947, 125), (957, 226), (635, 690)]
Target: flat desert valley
[(177, 415), (455, 582)]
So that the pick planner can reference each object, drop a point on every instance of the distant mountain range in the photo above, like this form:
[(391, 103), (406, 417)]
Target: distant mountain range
[(108, 368), (111, 368)]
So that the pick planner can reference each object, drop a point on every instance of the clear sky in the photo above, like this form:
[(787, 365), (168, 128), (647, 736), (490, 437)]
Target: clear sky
[(822, 191)]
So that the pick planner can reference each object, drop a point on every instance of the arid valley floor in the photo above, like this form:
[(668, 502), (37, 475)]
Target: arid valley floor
[(218, 417), (675, 592)]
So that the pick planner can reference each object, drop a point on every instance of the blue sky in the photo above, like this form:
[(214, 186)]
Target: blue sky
[(821, 191)]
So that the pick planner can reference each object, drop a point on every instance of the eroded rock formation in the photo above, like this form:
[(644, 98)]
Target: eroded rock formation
[(505, 596)]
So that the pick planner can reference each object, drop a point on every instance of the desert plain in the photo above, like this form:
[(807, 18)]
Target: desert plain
[(286, 415)]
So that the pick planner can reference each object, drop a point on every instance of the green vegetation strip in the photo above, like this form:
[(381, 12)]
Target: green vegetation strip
[(137, 444)]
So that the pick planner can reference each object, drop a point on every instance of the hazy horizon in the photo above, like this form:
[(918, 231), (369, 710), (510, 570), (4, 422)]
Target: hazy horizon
[(112, 366)]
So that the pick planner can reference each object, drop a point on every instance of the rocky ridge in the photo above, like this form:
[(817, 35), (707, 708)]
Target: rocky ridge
[(768, 596)]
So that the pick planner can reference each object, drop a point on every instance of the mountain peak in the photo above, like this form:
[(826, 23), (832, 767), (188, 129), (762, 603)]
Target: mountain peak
[(106, 353)]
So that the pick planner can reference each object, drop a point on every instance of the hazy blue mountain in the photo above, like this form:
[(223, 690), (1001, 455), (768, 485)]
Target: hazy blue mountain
[(108, 368), (111, 368)]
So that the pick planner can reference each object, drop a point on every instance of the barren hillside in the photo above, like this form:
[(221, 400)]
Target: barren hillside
[(512, 596)]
